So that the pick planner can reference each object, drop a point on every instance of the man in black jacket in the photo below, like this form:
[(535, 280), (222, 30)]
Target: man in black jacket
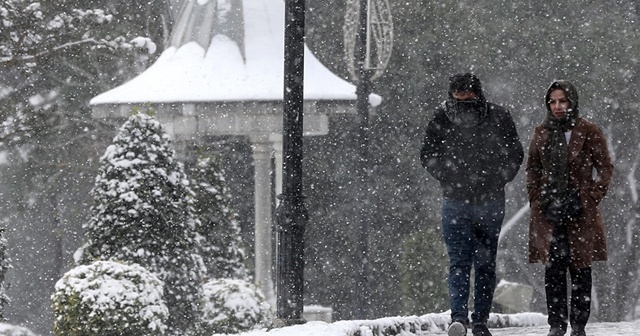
[(472, 147)]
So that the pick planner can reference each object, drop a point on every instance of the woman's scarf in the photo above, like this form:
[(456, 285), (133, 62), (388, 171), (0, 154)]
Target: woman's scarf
[(557, 155)]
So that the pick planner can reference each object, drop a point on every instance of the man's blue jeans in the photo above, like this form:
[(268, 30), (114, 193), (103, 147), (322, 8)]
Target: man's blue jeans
[(471, 234)]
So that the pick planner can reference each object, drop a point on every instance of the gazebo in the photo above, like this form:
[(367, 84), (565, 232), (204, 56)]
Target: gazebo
[(223, 75)]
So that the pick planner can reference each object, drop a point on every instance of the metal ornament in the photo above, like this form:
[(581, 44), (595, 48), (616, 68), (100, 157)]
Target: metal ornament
[(379, 37)]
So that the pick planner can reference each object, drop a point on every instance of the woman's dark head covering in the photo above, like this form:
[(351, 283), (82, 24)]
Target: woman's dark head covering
[(572, 95)]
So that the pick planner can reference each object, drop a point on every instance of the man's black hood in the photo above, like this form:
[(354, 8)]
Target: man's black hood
[(467, 113), (465, 82)]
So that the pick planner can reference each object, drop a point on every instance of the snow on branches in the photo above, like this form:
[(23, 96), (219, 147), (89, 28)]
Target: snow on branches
[(32, 32)]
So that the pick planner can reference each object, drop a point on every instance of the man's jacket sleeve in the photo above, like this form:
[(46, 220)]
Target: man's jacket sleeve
[(431, 153), (513, 151)]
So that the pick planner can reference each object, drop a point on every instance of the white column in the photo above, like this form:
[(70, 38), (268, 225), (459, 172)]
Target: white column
[(276, 139), (262, 149)]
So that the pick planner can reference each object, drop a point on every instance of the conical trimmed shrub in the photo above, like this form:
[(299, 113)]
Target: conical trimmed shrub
[(143, 213)]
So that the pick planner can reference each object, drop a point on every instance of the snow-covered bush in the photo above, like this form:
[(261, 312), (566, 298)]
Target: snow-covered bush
[(108, 298), (143, 213), (218, 225), (232, 306), (14, 330)]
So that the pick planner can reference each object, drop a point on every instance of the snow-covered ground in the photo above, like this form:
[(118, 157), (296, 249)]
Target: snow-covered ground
[(593, 329), (325, 329), (530, 324)]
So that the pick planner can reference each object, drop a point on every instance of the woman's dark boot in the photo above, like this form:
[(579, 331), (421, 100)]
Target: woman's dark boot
[(556, 331), (578, 330)]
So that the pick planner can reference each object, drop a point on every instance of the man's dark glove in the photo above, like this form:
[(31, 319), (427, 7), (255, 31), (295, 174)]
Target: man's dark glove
[(554, 212)]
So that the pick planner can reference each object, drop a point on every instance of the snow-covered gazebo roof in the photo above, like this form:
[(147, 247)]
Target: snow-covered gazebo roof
[(226, 59)]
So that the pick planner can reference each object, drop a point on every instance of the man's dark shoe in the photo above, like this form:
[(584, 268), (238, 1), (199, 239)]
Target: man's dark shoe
[(555, 331), (578, 331), (480, 330), (457, 329)]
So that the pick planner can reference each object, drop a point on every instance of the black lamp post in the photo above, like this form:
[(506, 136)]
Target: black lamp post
[(291, 214), (368, 44), (363, 90)]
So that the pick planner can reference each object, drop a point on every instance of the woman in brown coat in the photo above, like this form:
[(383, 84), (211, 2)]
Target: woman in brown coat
[(568, 172)]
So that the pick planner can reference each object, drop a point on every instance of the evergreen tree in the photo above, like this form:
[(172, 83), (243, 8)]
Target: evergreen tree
[(143, 213), (54, 57), (218, 226), (424, 272)]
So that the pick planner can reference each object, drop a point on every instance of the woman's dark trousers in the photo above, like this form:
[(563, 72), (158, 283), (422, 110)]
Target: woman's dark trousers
[(555, 284)]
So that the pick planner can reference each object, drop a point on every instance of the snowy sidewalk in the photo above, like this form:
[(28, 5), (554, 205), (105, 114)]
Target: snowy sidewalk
[(593, 329), (529, 324)]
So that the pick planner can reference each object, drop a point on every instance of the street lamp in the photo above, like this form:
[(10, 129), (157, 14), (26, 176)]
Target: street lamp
[(368, 44), (291, 214)]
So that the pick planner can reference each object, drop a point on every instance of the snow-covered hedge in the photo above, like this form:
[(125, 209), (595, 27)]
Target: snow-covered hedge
[(429, 324), (232, 306), (108, 298), (13, 330)]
